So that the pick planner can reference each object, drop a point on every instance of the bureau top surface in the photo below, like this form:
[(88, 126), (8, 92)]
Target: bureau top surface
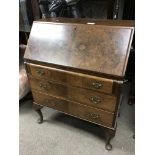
[(101, 46)]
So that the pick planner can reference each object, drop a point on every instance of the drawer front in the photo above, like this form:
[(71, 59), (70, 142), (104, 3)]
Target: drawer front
[(72, 78), (84, 96), (73, 108)]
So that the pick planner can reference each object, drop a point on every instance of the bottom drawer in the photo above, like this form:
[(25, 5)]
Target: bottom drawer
[(75, 109)]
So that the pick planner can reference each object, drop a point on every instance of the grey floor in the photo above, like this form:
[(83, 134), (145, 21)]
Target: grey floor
[(65, 135)]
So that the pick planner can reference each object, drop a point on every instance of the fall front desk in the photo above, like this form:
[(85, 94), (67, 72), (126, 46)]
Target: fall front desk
[(77, 66)]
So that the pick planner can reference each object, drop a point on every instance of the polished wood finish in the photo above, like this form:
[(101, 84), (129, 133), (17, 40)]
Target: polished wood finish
[(77, 67), (72, 78), (73, 108), (107, 22), (96, 48)]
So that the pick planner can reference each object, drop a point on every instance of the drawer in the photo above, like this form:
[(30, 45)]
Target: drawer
[(75, 109), (84, 96), (72, 78)]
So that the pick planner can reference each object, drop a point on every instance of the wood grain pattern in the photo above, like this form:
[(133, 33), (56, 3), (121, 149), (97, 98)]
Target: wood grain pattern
[(83, 96), (96, 48), (82, 111), (72, 78), (77, 66)]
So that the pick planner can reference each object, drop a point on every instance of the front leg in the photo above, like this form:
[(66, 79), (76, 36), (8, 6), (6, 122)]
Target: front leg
[(38, 108), (109, 135), (40, 120), (108, 146)]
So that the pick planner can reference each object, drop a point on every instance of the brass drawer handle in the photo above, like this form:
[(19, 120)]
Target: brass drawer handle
[(95, 99), (44, 86), (94, 115), (40, 72), (97, 85)]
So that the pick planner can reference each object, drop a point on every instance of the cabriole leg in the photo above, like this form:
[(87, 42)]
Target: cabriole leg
[(108, 146), (40, 120), (109, 135), (38, 108)]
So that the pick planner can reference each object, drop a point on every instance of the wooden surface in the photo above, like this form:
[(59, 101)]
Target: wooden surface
[(78, 68), (82, 111), (77, 94), (97, 48), (72, 78), (122, 23)]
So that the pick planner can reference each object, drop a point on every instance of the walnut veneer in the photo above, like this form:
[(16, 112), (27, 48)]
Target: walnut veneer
[(77, 67)]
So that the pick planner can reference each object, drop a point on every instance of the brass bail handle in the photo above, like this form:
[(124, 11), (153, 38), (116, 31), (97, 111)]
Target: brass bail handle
[(94, 115), (43, 86), (40, 72), (97, 85), (95, 99)]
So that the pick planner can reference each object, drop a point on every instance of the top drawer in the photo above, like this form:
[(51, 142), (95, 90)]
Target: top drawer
[(72, 78)]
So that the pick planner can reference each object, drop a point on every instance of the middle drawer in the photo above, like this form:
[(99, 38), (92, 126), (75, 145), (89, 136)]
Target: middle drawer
[(83, 96)]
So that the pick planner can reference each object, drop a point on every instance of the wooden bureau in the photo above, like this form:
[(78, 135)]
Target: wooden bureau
[(77, 66)]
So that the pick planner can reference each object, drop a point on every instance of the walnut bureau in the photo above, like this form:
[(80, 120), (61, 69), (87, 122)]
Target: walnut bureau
[(77, 66)]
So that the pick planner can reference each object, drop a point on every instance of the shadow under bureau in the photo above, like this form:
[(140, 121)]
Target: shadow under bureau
[(77, 66)]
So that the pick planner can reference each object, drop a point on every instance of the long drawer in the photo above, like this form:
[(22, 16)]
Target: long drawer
[(73, 108), (72, 78), (84, 96)]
